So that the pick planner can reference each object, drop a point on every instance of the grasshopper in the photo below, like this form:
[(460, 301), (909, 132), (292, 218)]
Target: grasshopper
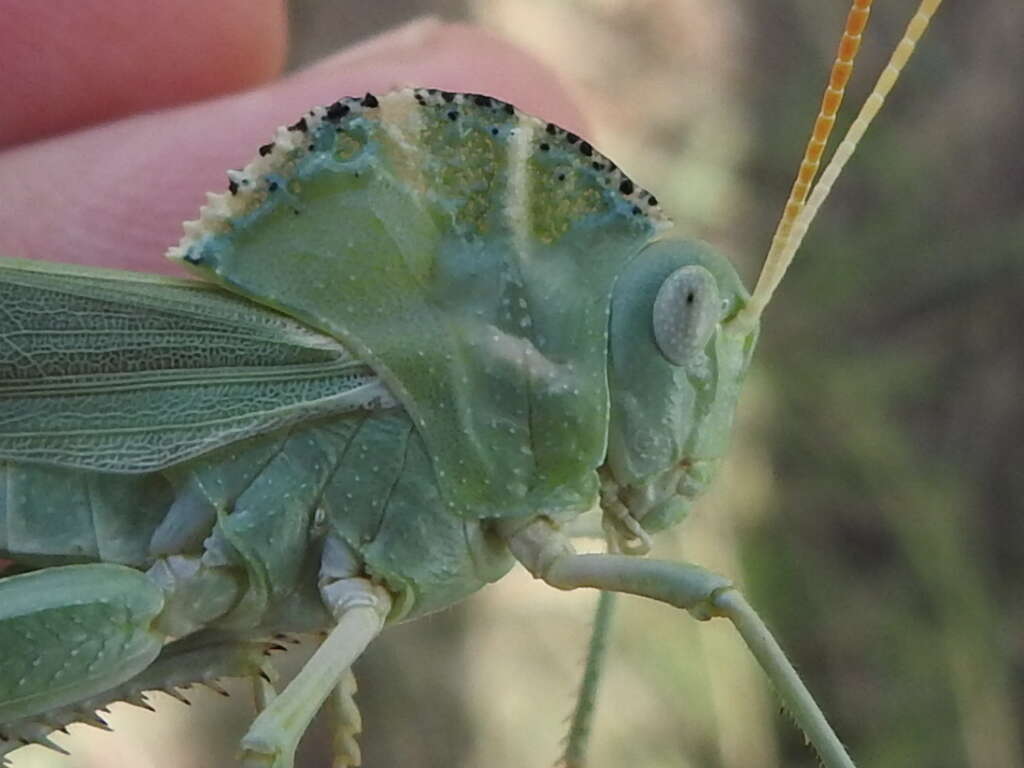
[(434, 331)]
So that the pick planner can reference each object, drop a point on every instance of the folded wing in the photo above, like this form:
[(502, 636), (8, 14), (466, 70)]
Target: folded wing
[(124, 372)]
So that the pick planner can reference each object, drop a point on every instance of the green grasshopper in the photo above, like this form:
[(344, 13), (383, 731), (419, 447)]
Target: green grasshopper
[(432, 332)]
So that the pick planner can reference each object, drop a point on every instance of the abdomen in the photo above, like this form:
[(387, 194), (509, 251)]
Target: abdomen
[(365, 477), (51, 515)]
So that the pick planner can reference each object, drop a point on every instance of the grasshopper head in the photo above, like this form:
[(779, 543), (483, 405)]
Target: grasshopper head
[(683, 328), (675, 370)]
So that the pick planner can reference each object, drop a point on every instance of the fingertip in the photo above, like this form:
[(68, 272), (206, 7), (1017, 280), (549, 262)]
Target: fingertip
[(64, 66), (116, 195)]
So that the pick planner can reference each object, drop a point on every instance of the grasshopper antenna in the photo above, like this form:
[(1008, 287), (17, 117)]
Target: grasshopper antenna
[(842, 69), (802, 207)]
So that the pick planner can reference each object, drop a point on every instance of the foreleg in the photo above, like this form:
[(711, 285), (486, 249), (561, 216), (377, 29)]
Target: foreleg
[(360, 608), (549, 556)]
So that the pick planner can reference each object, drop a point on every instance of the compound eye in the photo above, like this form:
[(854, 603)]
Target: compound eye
[(686, 312)]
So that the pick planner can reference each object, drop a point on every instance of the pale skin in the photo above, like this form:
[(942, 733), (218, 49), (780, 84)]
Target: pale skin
[(63, 94)]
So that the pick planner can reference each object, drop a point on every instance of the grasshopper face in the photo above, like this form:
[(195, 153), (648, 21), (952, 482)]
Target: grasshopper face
[(675, 371)]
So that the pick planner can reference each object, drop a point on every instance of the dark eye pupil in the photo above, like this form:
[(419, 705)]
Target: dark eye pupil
[(689, 298)]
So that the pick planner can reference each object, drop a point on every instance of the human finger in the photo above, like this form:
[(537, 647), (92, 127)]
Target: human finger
[(116, 194), (68, 65)]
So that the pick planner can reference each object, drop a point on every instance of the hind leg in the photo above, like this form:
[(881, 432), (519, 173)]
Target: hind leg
[(69, 633)]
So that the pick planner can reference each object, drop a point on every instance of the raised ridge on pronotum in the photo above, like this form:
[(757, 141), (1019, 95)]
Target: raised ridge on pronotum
[(275, 163)]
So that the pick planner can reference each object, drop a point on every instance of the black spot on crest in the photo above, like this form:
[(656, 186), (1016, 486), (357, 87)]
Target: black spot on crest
[(299, 125), (509, 109), (336, 111), (626, 187), (233, 187), (652, 200), (370, 101), (266, 149), (586, 149), (482, 101), (551, 128), (448, 96), (572, 138)]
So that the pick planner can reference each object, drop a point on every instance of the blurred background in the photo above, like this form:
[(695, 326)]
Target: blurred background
[(871, 506)]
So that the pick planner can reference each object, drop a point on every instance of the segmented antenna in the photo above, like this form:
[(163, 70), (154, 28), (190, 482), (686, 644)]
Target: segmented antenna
[(781, 255), (842, 68)]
